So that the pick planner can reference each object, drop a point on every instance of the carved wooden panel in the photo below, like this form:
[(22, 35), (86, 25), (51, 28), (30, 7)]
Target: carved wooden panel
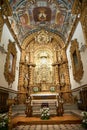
[(77, 66), (3, 99)]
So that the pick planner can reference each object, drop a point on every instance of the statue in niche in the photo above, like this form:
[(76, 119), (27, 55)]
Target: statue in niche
[(27, 58), (62, 79), (43, 74), (43, 70), (60, 56), (26, 78)]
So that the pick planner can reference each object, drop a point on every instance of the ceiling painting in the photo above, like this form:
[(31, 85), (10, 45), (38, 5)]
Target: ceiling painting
[(33, 15)]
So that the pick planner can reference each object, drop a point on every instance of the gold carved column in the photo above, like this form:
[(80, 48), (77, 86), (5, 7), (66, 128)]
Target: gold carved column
[(21, 89), (31, 74), (56, 74)]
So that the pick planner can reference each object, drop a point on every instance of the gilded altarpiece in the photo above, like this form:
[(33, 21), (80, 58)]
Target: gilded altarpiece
[(43, 67)]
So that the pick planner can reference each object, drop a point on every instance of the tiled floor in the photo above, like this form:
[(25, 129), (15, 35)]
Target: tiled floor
[(50, 127)]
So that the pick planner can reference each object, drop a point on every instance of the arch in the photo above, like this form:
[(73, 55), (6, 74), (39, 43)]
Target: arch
[(31, 37)]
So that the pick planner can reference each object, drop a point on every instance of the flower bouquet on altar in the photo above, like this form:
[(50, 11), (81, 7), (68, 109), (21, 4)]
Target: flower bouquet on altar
[(45, 113), (84, 119)]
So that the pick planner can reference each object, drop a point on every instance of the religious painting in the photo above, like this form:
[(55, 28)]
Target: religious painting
[(59, 18), (9, 69), (75, 59), (77, 66), (42, 14), (10, 62), (24, 19), (31, 14)]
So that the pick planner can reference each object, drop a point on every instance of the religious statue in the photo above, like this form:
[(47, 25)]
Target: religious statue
[(60, 109), (28, 111)]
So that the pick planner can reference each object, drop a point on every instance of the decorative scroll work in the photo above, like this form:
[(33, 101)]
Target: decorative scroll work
[(76, 61), (1, 24), (84, 20), (10, 64)]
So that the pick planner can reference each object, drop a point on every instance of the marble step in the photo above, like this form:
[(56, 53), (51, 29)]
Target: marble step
[(69, 106), (19, 107), (52, 112)]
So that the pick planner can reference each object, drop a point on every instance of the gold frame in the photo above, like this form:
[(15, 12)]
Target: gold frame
[(77, 66), (9, 70)]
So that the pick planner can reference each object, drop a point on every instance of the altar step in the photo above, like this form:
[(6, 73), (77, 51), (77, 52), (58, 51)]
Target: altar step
[(36, 106), (69, 109), (70, 106), (18, 110)]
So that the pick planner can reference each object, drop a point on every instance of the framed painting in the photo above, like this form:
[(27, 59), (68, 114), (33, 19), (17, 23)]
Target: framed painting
[(77, 66), (9, 70)]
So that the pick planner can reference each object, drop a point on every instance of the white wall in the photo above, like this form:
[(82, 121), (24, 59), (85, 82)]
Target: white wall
[(6, 35), (78, 34)]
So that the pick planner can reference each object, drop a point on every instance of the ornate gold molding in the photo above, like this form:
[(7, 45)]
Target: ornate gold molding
[(76, 9), (84, 20), (1, 24), (12, 32), (32, 36), (5, 7), (9, 70), (77, 66)]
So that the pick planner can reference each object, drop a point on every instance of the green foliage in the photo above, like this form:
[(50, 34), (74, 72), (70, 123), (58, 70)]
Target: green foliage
[(4, 121), (45, 113), (84, 120)]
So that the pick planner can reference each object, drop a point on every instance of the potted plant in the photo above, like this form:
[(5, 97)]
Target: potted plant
[(45, 113), (84, 119), (3, 121)]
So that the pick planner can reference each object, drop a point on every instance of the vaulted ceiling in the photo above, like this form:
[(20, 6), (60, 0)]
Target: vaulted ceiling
[(31, 16)]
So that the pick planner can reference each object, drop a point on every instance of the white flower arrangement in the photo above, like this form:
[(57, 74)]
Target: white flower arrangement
[(3, 121), (45, 113), (84, 119)]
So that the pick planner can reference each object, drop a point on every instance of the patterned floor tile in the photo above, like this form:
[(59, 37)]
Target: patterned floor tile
[(50, 127)]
